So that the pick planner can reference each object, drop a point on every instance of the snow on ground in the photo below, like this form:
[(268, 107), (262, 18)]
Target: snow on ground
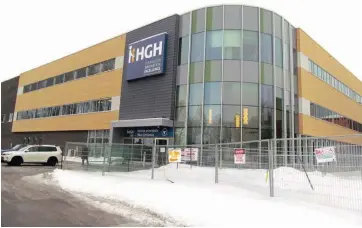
[(240, 198), (93, 159)]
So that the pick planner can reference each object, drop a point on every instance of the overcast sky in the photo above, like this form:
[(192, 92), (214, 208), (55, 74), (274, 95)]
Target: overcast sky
[(36, 32)]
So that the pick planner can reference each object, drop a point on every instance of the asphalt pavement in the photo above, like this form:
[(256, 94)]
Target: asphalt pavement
[(27, 203)]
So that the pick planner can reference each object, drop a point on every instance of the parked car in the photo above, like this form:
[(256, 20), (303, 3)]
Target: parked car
[(42, 154), (14, 148)]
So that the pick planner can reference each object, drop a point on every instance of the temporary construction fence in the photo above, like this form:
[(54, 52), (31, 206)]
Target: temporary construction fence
[(325, 170)]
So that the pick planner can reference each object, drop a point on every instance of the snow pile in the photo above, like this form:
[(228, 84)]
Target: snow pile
[(115, 160), (194, 200)]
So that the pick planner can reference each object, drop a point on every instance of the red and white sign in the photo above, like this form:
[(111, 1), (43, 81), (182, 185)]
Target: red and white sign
[(189, 153), (239, 156)]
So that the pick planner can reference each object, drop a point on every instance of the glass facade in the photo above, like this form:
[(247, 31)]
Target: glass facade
[(234, 80)]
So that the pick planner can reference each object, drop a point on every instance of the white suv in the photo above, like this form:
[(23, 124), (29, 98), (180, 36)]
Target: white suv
[(46, 154)]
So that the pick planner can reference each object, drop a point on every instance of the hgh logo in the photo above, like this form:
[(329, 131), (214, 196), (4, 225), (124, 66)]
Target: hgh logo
[(140, 53)]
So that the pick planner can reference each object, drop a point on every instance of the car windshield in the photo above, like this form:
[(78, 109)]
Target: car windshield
[(17, 147)]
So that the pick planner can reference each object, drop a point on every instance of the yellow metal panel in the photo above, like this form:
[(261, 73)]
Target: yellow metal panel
[(104, 85), (317, 54), (90, 121), (315, 90), (94, 54), (320, 128)]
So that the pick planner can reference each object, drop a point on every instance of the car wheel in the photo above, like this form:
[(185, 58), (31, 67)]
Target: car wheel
[(16, 161), (52, 161)]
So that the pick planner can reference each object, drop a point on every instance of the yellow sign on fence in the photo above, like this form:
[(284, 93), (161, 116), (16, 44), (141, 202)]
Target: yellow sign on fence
[(174, 155)]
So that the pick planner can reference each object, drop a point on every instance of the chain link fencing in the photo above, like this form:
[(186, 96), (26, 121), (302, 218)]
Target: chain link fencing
[(279, 167)]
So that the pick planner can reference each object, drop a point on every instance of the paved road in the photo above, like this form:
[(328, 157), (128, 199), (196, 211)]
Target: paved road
[(25, 203)]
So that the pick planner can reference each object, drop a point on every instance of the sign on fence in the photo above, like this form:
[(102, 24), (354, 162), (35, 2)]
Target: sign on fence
[(239, 156), (325, 154), (174, 155), (189, 153)]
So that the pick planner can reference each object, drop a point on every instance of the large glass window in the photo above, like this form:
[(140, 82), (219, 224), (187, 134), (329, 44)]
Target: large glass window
[(266, 21), (250, 117), (233, 17), (250, 72), (198, 21), (211, 135), (213, 71), (181, 95), (59, 79), (231, 115), (266, 118), (94, 69), (267, 97), (184, 25), (232, 70), (231, 93), (250, 18), (214, 18), (69, 76), (180, 136), (197, 47), (195, 113), (286, 58), (279, 77), (181, 77), (279, 123), (250, 94), (266, 48), (232, 44), (196, 72), (195, 95), (194, 135), (81, 73), (250, 46), (250, 134), (180, 116), (231, 134), (214, 45), (278, 52), (212, 115), (212, 93), (266, 74), (278, 26), (184, 50), (279, 98), (50, 82)]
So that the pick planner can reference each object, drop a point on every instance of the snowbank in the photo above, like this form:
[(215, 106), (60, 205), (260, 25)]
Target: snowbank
[(194, 200), (94, 159)]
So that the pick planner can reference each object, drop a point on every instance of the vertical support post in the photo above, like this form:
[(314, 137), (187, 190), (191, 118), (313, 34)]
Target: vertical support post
[(220, 154), (104, 158), (64, 157), (216, 164), (153, 160), (271, 168)]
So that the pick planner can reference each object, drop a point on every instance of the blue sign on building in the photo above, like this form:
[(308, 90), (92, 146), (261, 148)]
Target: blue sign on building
[(146, 57), (149, 132)]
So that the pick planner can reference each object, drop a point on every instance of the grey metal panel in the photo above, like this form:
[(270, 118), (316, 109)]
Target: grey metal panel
[(142, 122), (152, 97)]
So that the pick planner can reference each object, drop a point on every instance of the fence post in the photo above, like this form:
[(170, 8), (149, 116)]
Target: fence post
[(271, 168), (104, 157), (153, 160), (216, 164), (221, 152), (63, 155)]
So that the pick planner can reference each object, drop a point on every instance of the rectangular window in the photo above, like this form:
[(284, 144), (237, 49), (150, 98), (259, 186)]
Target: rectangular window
[(108, 65), (81, 73), (94, 69), (59, 79), (34, 86), (10, 117), (42, 84), (183, 50), (69, 76), (49, 82), (3, 117), (232, 44), (27, 88)]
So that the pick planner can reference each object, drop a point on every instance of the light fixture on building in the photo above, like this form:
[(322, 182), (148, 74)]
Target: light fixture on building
[(245, 116)]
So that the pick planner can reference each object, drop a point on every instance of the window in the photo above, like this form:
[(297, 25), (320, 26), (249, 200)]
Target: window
[(41, 84), (198, 21), (180, 116), (231, 115), (214, 18), (250, 72), (50, 82), (250, 134), (195, 96), (212, 93), (3, 118), (181, 95), (266, 48), (278, 52), (266, 74), (231, 134), (108, 65), (266, 18), (250, 48), (231, 93), (194, 117), (211, 135), (278, 25), (27, 88), (250, 117), (279, 98), (34, 86), (47, 149), (213, 71), (34, 149), (196, 72), (266, 118), (250, 18), (181, 77), (180, 136), (233, 17), (81, 73), (279, 77), (212, 115), (10, 117), (193, 135), (59, 79), (69, 76), (250, 94), (197, 47), (214, 45), (232, 44), (232, 70), (286, 58), (184, 25), (94, 69), (267, 98), (184, 50)]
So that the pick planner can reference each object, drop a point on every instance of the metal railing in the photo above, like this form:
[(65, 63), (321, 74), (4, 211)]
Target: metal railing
[(277, 167)]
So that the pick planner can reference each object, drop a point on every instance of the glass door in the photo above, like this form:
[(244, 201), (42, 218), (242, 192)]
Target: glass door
[(161, 151)]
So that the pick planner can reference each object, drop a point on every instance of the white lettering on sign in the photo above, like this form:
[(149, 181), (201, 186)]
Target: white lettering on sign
[(151, 50)]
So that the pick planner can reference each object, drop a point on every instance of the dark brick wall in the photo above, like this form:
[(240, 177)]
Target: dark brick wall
[(153, 96), (9, 90)]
